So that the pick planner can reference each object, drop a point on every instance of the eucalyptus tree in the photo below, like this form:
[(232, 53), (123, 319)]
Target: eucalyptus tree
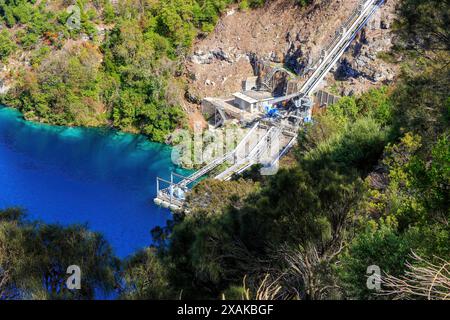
[(34, 259)]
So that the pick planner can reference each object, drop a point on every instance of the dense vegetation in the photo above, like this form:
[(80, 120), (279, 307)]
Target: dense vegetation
[(369, 185), (366, 190), (116, 67), (34, 258)]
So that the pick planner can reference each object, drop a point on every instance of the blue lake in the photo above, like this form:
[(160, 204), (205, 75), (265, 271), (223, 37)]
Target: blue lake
[(100, 177)]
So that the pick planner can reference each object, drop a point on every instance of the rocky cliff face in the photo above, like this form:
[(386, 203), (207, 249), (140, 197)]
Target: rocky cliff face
[(367, 62), (285, 34), (5, 77)]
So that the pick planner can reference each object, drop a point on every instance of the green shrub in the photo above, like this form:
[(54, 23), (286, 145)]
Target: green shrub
[(7, 46)]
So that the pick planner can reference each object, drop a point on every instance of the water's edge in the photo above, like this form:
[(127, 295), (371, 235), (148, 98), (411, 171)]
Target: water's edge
[(98, 176)]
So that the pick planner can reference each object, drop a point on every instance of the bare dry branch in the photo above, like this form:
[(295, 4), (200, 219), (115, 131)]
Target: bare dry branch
[(423, 279)]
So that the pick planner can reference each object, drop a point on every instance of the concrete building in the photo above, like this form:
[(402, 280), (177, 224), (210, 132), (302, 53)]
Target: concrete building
[(244, 102), (243, 106), (252, 101), (250, 83)]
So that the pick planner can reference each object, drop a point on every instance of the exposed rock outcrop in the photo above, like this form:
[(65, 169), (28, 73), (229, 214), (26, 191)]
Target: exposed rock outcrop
[(4, 87), (364, 64), (248, 43)]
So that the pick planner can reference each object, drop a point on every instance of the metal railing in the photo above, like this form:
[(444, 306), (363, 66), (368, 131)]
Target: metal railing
[(351, 27), (332, 52)]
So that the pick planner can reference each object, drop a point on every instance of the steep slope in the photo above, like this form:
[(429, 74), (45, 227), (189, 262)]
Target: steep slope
[(282, 32)]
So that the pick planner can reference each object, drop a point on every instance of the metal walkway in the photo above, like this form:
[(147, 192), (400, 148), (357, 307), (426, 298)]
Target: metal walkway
[(256, 155), (331, 54), (173, 194)]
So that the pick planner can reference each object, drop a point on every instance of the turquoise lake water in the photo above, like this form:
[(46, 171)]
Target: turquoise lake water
[(100, 177)]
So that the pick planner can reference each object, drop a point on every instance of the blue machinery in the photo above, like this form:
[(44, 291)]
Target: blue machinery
[(173, 195), (271, 111)]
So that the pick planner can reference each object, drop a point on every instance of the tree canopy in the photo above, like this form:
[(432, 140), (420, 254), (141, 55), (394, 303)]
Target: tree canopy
[(34, 258)]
